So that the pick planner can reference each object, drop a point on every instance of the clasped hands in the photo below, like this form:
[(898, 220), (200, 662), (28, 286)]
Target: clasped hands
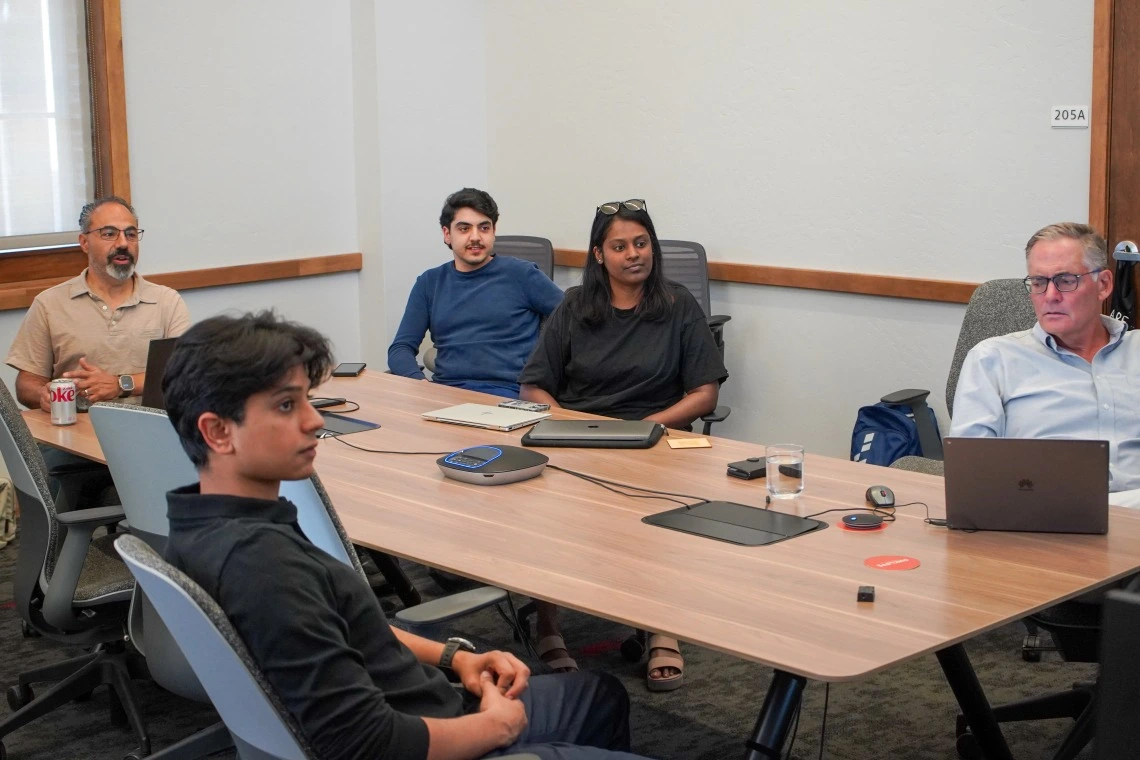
[(497, 678), (506, 672), (91, 382)]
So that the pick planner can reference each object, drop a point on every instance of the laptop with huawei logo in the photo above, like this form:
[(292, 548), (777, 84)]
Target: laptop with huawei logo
[(1023, 484)]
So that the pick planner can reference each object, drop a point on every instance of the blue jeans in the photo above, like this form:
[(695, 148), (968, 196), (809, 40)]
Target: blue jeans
[(575, 716)]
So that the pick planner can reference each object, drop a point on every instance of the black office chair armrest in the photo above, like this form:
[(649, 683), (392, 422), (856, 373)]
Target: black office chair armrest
[(720, 414), (58, 601), (95, 516), (450, 607), (718, 320), (76, 468), (908, 396)]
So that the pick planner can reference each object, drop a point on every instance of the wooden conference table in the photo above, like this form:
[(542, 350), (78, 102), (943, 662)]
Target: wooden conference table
[(791, 605)]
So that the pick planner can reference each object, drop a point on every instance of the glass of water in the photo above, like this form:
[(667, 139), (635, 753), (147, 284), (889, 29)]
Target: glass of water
[(785, 465)]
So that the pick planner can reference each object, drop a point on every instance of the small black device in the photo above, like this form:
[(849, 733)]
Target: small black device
[(881, 496), (748, 469), (862, 521), (526, 406), (321, 403), (349, 369), (866, 594), (492, 465)]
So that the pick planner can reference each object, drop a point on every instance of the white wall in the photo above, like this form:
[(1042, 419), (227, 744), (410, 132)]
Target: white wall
[(241, 127), (876, 136), (431, 87)]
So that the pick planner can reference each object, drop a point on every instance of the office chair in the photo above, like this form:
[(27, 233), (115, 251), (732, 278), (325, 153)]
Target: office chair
[(685, 263), (536, 249), (146, 459), (997, 307), (69, 587), (1117, 730), (262, 728)]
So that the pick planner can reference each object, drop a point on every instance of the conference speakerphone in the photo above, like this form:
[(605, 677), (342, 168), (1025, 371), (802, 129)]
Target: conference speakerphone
[(492, 465), (735, 523)]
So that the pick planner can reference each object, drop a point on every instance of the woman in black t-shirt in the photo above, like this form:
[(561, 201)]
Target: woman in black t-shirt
[(627, 343)]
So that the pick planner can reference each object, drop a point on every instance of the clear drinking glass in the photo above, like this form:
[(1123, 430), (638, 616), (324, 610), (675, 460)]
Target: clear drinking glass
[(785, 465)]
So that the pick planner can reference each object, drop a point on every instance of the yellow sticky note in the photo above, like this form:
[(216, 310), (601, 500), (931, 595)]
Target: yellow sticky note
[(689, 443)]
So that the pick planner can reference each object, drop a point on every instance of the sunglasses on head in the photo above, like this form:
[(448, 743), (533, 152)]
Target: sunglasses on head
[(611, 208)]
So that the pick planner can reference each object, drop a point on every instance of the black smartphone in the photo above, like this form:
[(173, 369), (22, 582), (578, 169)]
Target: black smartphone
[(349, 369), (748, 469), (321, 403)]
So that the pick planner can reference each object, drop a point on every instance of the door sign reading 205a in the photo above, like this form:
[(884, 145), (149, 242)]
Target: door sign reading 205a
[(1069, 117)]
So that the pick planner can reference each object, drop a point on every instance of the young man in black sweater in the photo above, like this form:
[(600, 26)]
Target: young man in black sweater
[(236, 391)]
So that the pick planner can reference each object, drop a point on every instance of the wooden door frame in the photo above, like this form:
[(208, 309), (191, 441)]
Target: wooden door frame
[(1101, 116)]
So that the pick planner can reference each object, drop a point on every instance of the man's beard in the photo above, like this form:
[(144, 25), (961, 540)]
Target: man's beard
[(120, 272)]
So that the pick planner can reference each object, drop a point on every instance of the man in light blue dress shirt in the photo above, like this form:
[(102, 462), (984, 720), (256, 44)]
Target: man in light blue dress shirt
[(1076, 374)]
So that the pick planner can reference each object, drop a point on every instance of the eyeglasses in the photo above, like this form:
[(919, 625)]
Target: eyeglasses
[(1064, 282), (611, 208), (112, 233)]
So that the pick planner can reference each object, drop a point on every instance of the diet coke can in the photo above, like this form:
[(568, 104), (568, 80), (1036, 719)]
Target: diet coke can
[(62, 393)]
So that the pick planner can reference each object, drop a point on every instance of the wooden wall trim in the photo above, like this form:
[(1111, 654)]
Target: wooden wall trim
[(108, 98), (19, 295), (946, 291), (1101, 116)]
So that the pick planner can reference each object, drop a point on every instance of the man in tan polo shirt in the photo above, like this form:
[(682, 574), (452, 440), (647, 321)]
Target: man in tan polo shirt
[(96, 328)]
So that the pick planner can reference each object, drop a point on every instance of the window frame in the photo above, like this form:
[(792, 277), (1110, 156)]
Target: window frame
[(109, 146)]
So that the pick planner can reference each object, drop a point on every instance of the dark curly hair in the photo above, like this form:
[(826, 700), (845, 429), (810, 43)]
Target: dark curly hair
[(222, 361)]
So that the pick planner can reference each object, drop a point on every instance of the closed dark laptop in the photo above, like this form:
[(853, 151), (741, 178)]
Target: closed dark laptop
[(1049, 486), (156, 358), (620, 434)]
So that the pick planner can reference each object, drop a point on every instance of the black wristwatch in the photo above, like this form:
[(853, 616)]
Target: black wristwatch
[(453, 645), (126, 385)]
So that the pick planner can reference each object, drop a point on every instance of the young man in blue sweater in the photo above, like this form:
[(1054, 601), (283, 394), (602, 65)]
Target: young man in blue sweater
[(483, 310)]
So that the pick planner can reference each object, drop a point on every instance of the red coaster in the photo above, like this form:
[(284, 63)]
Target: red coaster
[(891, 562), (876, 529)]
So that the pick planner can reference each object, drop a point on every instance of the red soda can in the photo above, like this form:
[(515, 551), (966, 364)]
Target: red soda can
[(62, 393)]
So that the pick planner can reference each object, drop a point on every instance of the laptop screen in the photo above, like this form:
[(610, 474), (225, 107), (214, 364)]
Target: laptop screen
[(156, 358)]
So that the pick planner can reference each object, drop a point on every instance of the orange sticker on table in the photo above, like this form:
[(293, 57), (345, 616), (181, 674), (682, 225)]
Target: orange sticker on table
[(891, 562)]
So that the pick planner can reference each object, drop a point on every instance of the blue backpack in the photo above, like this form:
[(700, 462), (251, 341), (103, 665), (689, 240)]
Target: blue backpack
[(884, 433)]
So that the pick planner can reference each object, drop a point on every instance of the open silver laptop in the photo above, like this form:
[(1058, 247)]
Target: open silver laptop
[(1050, 486), (484, 416)]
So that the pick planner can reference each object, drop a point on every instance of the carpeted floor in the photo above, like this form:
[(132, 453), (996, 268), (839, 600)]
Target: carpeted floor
[(907, 712)]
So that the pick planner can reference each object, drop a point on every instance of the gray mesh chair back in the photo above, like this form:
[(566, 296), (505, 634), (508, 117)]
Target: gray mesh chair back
[(319, 521), (146, 460), (257, 720), (26, 468), (685, 263), (536, 249), (997, 307)]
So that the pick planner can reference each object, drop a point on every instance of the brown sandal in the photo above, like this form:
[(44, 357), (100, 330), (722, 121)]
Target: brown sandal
[(565, 664), (669, 658)]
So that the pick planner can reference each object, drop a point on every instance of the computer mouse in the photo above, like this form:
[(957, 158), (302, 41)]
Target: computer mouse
[(881, 496)]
